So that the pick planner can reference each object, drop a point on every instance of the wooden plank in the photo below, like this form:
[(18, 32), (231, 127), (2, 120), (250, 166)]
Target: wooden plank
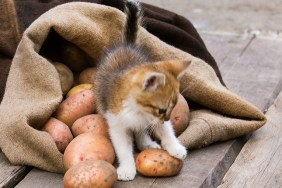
[(259, 164), (203, 167), (226, 49), (256, 71), (241, 16), (42, 179), (10, 175)]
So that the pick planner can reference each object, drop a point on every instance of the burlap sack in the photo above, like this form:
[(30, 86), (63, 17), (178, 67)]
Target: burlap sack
[(33, 88)]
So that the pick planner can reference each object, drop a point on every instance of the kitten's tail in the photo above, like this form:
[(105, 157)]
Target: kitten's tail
[(133, 20)]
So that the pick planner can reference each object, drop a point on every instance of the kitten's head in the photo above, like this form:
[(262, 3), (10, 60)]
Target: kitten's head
[(155, 88)]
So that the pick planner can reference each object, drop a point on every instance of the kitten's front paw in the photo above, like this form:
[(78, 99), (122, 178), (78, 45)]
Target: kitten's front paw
[(177, 151), (126, 173), (154, 145), (149, 145)]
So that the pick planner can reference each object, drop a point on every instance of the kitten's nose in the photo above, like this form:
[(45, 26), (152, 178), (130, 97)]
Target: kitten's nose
[(167, 118)]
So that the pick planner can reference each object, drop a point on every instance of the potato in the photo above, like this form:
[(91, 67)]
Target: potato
[(79, 88), (91, 173), (157, 162), (60, 132), (65, 75), (87, 76), (88, 146), (179, 116), (95, 123), (76, 106), (75, 58)]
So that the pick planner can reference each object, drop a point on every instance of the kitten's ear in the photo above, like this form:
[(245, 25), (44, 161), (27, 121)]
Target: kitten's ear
[(174, 67), (153, 80)]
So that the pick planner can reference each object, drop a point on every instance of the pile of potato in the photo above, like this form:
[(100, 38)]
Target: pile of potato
[(81, 134), (78, 131)]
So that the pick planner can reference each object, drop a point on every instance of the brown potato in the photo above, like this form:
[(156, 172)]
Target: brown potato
[(79, 88), (65, 75), (95, 123), (179, 116), (76, 106), (91, 173), (157, 162), (87, 76), (88, 146), (60, 132), (75, 58)]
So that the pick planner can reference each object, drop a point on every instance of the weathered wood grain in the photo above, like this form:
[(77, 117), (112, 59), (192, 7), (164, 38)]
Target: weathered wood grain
[(241, 16), (251, 71), (42, 179), (226, 49), (203, 167), (10, 175), (259, 164), (256, 71)]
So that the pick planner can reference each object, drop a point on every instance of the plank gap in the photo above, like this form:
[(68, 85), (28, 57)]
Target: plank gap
[(274, 95), (15, 177), (248, 44), (216, 175)]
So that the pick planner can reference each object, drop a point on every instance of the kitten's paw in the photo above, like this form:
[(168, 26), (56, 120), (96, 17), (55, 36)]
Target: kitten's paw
[(126, 173), (154, 145), (149, 145), (177, 151)]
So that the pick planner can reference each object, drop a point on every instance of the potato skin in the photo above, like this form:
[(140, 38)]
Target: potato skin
[(79, 88), (91, 173), (87, 76), (75, 58), (88, 146), (76, 106), (95, 123), (157, 163), (65, 75), (60, 132), (179, 116)]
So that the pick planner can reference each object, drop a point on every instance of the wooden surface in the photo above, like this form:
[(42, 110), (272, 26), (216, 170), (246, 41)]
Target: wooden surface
[(10, 175), (250, 66), (247, 47), (261, 17), (41, 179), (206, 167), (259, 164)]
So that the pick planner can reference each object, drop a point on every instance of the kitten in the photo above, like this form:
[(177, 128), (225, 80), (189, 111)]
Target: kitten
[(136, 97)]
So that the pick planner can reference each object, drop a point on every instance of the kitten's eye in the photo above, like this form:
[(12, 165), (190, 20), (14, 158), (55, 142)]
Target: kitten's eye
[(162, 111)]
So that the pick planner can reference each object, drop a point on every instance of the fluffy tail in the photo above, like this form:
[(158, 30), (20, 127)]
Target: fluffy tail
[(134, 16)]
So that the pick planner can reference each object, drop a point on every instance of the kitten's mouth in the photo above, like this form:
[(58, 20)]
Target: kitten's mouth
[(160, 122)]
